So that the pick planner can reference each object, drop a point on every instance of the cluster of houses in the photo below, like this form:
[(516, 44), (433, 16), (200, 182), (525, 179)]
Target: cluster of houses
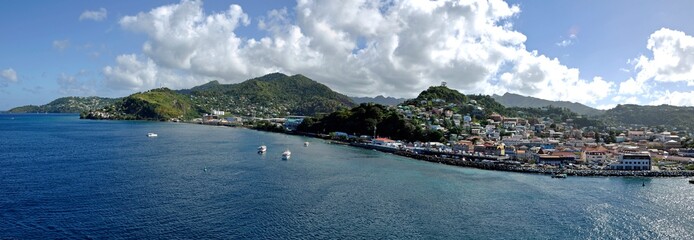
[(289, 123), (543, 141), (546, 142)]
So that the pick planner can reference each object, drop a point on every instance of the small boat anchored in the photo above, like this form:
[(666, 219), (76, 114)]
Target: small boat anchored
[(691, 181), (559, 175), (262, 149), (305, 144), (286, 154), (152, 135)]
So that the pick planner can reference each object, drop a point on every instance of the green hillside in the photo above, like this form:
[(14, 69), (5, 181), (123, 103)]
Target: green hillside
[(663, 115), (515, 100), (67, 105), (270, 95), (157, 104)]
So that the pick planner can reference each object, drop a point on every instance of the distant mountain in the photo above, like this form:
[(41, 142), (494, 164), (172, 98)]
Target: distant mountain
[(665, 115), (67, 105), (274, 94), (379, 100), (158, 104), (515, 100)]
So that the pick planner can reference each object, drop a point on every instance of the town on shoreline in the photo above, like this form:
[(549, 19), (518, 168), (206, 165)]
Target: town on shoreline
[(629, 156)]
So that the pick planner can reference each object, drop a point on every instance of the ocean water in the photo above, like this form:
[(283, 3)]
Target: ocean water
[(61, 177)]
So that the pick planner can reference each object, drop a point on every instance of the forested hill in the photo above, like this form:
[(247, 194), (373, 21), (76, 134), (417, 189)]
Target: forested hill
[(160, 104), (67, 105), (662, 115), (515, 100), (272, 94), (387, 101)]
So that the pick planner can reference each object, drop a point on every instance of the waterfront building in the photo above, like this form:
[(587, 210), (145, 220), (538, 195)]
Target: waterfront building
[(633, 161), (594, 155)]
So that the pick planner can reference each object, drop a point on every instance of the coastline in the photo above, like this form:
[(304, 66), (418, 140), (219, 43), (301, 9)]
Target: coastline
[(482, 165), (506, 167)]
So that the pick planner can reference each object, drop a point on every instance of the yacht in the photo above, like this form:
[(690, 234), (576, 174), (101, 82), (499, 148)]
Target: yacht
[(152, 135), (286, 154), (262, 149)]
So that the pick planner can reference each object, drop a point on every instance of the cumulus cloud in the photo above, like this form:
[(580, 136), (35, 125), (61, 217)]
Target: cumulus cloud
[(632, 87), (95, 15), (61, 44), (674, 98), (135, 73), (9, 76), (358, 47), (672, 61), (673, 58)]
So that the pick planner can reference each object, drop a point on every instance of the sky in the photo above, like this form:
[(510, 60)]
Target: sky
[(599, 53)]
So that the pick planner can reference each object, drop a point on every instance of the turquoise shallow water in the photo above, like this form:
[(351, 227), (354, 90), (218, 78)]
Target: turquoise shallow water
[(61, 177)]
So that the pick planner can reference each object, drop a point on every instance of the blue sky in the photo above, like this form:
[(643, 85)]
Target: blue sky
[(600, 53)]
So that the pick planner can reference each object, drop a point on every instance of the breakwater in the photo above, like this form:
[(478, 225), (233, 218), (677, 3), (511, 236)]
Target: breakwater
[(509, 167)]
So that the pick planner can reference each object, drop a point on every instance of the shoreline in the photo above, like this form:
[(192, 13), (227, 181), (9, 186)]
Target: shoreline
[(511, 168), (482, 165)]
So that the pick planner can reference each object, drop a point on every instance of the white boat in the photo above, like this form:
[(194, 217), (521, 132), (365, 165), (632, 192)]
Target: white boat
[(152, 135), (305, 144), (262, 149), (286, 154)]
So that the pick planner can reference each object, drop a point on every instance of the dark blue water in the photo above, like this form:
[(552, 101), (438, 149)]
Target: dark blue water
[(61, 177)]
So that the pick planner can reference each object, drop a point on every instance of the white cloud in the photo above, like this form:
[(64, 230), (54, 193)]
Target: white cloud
[(632, 87), (96, 15), (358, 47), (140, 73), (674, 98), (564, 43), (673, 58), (61, 44), (9, 76), (540, 76), (571, 40)]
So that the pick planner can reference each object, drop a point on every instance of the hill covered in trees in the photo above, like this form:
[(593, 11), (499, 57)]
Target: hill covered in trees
[(274, 94), (67, 105), (662, 115), (389, 101), (515, 100), (158, 104)]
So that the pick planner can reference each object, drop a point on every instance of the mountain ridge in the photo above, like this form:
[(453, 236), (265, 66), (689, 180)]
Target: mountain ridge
[(516, 100)]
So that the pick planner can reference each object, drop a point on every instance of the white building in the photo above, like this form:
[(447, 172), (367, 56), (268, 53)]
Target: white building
[(633, 161)]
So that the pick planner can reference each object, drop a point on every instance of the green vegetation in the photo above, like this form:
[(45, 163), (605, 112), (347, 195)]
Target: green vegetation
[(557, 114), (157, 104), (366, 119), (67, 105), (272, 95), (438, 94), (515, 100), (663, 115)]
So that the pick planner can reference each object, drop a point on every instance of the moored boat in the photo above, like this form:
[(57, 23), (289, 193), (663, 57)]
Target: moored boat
[(691, 181), (559, 175), (262, 149), (305, 144), (286, 154)]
